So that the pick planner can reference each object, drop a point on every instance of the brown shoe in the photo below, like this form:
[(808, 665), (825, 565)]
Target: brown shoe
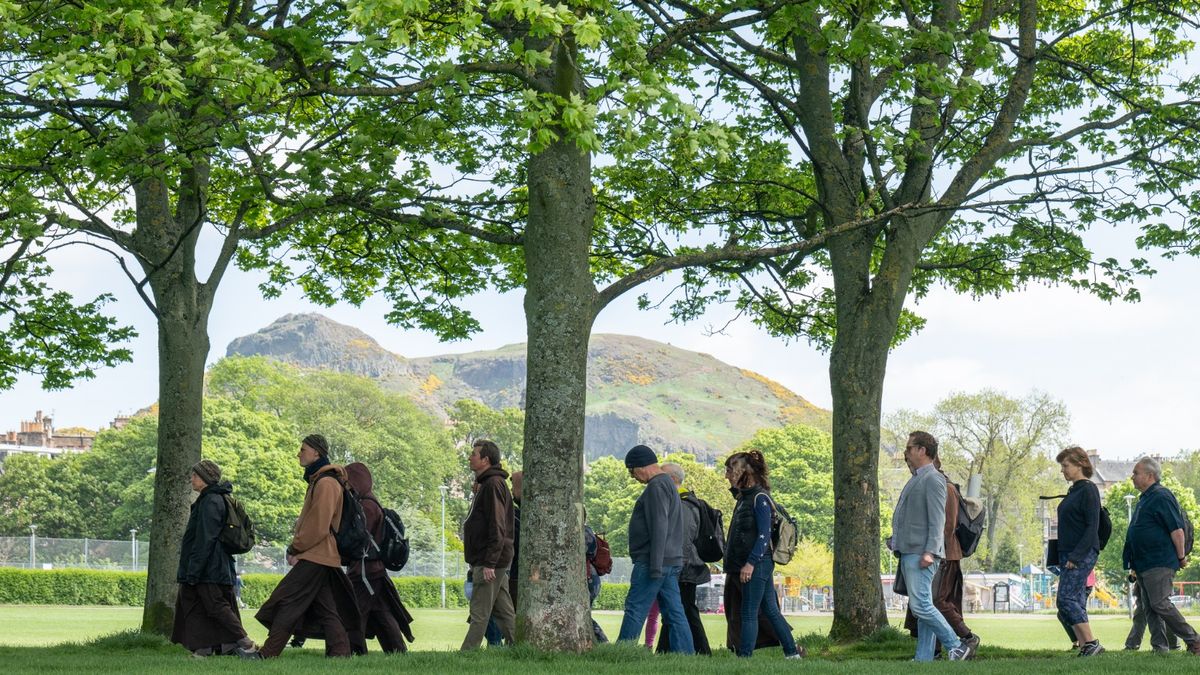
[(1194, 647)]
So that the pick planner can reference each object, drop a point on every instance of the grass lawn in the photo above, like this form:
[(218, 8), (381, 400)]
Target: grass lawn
[(32, 640)]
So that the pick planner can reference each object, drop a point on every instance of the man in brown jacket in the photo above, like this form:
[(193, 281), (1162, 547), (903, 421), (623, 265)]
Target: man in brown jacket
[(948, 583), (315, 598), (488, 546)]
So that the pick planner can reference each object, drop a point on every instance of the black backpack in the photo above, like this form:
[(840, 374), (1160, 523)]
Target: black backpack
[(710, 536), (392, 547), (1189, 533), (238, 534), (967, 530), (1103, 528), (353, 538)]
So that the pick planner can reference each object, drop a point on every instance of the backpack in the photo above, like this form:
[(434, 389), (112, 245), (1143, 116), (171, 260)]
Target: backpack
[(238, 534), (1103, 528), (710, 536), (352, 537), (1189, 533), (785, 534), (602, 561), (392, 547), (968, 529)]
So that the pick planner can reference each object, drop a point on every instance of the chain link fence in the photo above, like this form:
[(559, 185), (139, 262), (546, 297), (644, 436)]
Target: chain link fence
[(103, 554)]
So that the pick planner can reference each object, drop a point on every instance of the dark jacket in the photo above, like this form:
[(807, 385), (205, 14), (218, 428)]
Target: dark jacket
[(488, 530), (1148, 542), (694, 571), (743, 530), (202, 558), (656, 526), (1078, 522)]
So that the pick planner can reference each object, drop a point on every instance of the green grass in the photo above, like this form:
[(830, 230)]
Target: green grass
[(69, 639)]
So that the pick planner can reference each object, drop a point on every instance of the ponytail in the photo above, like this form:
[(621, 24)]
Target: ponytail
[(750, 465)]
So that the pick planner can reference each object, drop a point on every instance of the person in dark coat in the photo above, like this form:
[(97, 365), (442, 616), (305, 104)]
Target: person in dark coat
[(748, 555), (207, 621), (1078, 546), (384, 614), (315, 598), (694, 572)]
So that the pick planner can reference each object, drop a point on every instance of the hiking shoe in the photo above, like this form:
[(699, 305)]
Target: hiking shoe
[(1194, 647), (1092, 648), (801, 652), (249, 655)]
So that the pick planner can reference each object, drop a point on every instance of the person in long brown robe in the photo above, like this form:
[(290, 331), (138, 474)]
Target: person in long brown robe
[(315, 599), (384, 614)]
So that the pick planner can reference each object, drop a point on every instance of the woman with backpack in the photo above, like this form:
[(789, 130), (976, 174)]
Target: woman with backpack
[(384, 614), (314, 599), (1078, 546), (749, 569), (207, 621)]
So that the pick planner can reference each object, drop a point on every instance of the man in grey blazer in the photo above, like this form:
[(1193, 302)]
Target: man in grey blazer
[(918, 535)]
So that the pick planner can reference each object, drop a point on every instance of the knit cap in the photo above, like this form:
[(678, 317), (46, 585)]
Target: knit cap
[(639, 456), (208, 471)]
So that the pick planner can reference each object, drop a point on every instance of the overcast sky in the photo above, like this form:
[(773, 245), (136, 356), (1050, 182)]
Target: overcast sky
[(1125, 371)]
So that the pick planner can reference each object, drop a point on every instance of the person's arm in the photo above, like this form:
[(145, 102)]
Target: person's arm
[(495, 514), (318, 522), (1178, 537), (1090, 503), (762, 523), (657, 510), (935, 509)]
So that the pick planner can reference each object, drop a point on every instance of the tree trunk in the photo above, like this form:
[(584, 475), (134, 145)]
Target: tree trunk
[(856, 370), (552, 612), (182, 350), (868, 313)]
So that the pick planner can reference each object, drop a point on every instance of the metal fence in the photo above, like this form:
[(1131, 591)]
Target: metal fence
[(129, 554)]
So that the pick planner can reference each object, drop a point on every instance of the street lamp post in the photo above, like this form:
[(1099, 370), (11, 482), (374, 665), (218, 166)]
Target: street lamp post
[(443, 489), (133, 546), (1128, 522), (32, 543)]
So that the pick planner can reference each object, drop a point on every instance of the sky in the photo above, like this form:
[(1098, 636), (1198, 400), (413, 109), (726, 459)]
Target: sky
[(1125, 371)]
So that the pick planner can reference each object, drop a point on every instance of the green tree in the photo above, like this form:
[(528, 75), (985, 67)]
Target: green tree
[(152, 125), (978, 141), (44, 332)]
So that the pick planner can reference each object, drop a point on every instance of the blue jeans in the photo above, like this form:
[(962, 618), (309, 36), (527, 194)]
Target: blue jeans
[(1072, 589), (642, 592), (931, 625), (760, 593)]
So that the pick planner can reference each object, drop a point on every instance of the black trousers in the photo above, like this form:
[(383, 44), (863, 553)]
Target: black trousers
[(687, 592)]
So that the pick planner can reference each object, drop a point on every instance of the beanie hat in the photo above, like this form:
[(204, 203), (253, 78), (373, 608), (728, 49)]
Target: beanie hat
[(208, 471), (639, 456), (317, 442)]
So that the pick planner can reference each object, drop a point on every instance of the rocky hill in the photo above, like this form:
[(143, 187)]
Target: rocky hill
[(639, 390)]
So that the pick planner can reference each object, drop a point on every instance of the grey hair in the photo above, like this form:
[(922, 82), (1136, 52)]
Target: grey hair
[(1151, 466), (674, 471)]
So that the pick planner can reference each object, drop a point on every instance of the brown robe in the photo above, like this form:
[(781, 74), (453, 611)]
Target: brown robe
[(206, 616), (312, 601)]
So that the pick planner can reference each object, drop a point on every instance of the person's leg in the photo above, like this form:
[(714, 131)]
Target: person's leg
[(492, 635), (1158, 585), (947, 597), (770, 608), (642, 591), (652, 622), (1133, 641), (931, 624), (752, 594), (220, 606), (664, 635), (671, 607), (324, 609), (503, 610), (483, 599), (687, 593)]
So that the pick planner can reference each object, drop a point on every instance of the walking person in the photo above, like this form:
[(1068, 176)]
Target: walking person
[(1155, 549), (1078, 546), (656, 548), (384, 615), (315, 599), (918, 535), (591, 547), (488, 546), (694, 572), (948, 582), (748, 554), (207, 620), (1162, 639)]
